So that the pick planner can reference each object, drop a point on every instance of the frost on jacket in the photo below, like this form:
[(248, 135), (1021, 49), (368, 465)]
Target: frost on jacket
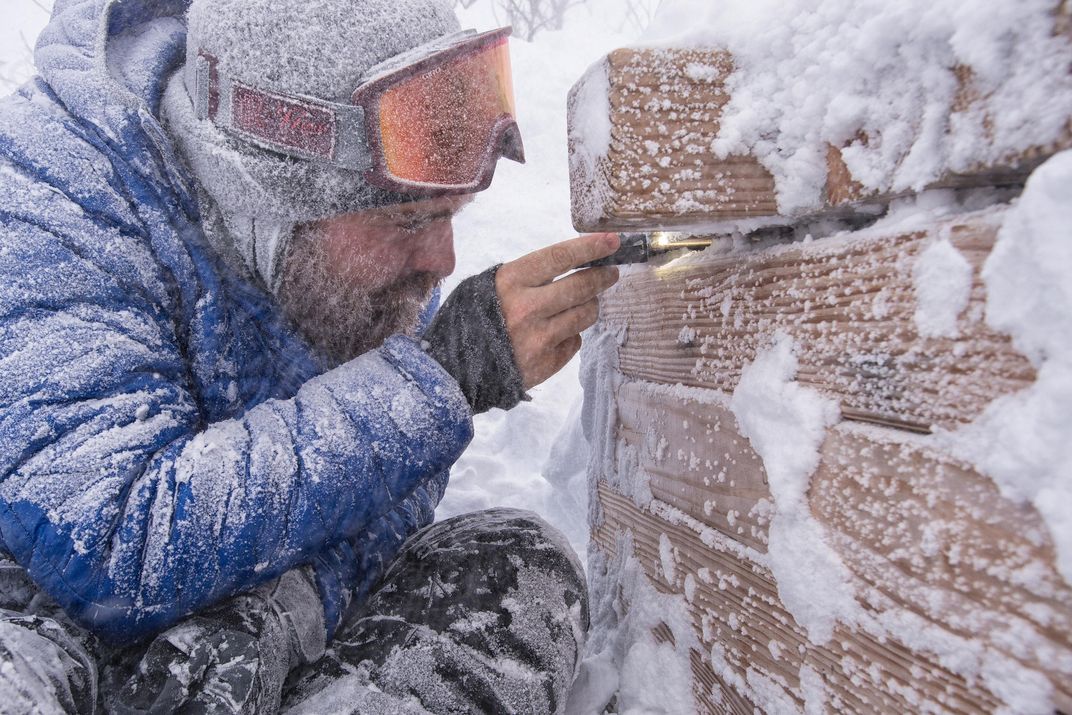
[(165, 440)]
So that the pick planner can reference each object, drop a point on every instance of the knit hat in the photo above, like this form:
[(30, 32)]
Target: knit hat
[(317, 48)]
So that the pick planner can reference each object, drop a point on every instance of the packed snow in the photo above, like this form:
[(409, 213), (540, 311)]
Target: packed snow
[(943, 281), (786, 424)]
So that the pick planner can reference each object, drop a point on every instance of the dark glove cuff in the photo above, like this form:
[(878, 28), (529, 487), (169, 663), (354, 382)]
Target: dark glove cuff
[(468, 338)]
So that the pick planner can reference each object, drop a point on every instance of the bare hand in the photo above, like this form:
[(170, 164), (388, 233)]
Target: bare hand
[(544, 316)]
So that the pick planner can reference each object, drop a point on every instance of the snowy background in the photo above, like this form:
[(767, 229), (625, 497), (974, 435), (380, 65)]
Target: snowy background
[(511, 461)]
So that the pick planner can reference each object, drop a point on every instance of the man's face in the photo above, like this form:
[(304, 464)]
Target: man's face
[(352, 281)]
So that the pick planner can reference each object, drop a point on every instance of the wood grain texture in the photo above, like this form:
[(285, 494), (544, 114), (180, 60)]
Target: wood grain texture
[(659, 171), (935, 551), (664, 108), (695, 460), (848, 303)]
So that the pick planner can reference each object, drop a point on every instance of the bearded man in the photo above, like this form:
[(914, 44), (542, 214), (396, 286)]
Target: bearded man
[(230, 403)]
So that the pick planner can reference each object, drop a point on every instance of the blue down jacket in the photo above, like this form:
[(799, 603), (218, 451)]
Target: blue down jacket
[(165, 440)]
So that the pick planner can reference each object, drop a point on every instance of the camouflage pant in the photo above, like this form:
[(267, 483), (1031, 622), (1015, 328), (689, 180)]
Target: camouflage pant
[(485, 612)]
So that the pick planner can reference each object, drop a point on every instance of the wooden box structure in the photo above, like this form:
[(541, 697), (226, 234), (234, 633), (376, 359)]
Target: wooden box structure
[(937, 558)]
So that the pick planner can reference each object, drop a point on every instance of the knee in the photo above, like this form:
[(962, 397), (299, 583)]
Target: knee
[(498, 551), (505, 534)]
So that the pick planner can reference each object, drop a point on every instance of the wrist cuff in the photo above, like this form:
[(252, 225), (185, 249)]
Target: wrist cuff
[(469, 339)]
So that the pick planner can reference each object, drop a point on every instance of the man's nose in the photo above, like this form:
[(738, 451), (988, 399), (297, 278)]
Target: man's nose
[(433, 250)]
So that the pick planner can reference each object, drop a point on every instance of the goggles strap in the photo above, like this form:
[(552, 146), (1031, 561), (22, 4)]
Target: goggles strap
[(297, 126)]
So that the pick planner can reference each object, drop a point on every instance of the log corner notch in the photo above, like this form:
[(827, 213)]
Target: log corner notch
[(643, 125), (945, 569)]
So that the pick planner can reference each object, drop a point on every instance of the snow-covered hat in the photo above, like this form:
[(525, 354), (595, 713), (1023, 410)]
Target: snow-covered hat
[(316, 48)]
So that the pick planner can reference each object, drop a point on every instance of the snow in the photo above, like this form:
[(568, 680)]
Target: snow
[(624, 656), (879, 77), (943, 280), (786, 424), (533, 456), (537, 455), (1021, 441), (592, 127)]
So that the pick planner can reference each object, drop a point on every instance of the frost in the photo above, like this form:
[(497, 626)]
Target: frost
[(591, 129), (590, 133), (699, 72)]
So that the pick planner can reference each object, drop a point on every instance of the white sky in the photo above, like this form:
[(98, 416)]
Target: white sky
[(20, 23)]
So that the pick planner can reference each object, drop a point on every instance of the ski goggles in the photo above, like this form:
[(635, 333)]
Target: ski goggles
[(436, 125)]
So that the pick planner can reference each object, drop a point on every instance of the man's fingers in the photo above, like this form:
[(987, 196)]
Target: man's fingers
[(544, 317), (541, 267), (566, 350), (573, 321), (559, 356), (576, 289)]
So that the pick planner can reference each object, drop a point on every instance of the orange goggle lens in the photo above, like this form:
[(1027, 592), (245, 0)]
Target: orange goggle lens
[(445, 126)]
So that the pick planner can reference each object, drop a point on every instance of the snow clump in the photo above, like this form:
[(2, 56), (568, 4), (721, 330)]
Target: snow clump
[(786, 424), (942, 279), (1021, 441)]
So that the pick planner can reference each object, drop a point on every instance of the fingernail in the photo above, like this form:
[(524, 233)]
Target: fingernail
[(612, 241)]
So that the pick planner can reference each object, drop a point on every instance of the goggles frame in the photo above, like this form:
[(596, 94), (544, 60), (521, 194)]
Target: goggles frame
[(347, 136)]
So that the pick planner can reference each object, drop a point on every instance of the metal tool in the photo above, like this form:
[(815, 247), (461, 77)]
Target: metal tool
[(642, 247)]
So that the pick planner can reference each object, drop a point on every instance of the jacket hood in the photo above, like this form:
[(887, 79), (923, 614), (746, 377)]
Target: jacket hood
[(95, 54)]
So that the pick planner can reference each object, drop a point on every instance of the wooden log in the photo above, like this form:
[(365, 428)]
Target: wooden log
[(928, 540), (695, 460), (664, 107), (659, 170), (848, 303)]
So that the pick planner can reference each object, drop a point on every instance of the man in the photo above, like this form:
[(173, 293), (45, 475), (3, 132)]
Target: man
[(220, 228)]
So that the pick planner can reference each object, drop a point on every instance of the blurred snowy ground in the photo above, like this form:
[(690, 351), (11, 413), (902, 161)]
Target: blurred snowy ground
[(514, 460)]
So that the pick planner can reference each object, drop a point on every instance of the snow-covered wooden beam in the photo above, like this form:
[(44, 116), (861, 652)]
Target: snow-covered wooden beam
[(948, 581), (890, 323), (645, 126), (641, 127), (827, 470), (937, 560)]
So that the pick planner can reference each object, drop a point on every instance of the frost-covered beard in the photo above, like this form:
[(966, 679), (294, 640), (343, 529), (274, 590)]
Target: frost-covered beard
[(336, 311)]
